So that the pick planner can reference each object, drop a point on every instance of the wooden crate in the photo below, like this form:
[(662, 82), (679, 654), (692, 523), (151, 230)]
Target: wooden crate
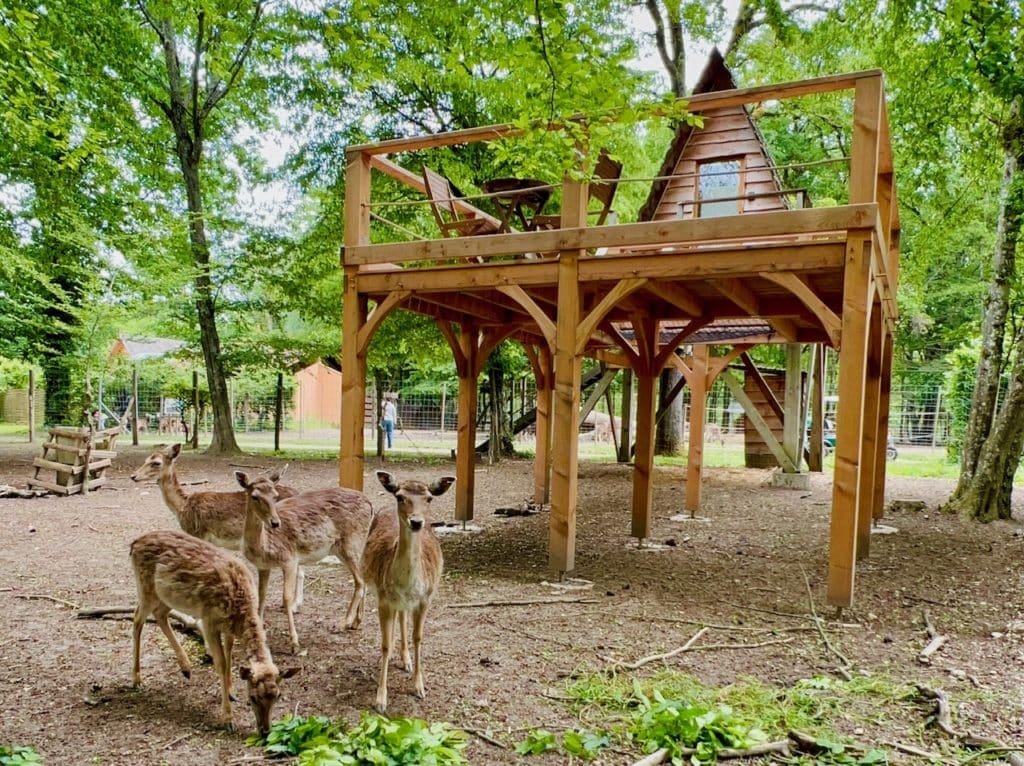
[(65, 453)]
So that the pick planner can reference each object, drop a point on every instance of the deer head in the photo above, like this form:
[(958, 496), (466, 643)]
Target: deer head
[(261, 497), (413, 497), (264, 680), (157, 463)]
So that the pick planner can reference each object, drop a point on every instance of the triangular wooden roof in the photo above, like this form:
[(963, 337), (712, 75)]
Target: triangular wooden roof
[(716, 76)]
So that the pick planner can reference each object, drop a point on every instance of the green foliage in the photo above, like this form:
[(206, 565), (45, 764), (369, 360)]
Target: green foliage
[(536, 742), (13, 373), (581, 743), (18, 756), (959, 389), (376, 740)]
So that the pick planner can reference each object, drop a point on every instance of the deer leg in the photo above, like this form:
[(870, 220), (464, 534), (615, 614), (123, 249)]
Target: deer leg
[(354, 614), (228, 640), (403, 624), (264, 578), (387, 632), (160, 613), (216, 650), (142, 612), (419, 614), (300, 587), (290, 571)]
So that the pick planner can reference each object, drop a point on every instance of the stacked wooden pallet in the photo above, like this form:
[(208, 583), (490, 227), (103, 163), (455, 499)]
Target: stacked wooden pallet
[(78, 457)]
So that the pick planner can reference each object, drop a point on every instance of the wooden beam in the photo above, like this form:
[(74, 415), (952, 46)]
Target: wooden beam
[(739, 293), (643, 462), (353, 385), (885, 391), (864, 154), (677, 295), (871, 439), (378, 315), (595, 396), (626, 418), (757, 421), (763, 387), (631, 353), (695, 453), (701, 102), (815, 447), (788, 223), (608, 301), (849, 422), (664, 352), (472, 308), (718, 363), (541, 361), (544, 322), (465, 439), (565, 445), (830, 323), (792, 423)]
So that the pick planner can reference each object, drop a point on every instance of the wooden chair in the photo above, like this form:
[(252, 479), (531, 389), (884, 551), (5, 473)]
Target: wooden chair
[(602, 188), (447, 214)]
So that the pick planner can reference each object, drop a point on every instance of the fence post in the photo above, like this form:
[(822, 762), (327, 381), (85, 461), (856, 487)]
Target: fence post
[(31, 405), (444, 402), (195, 409), (278, 406), (135, 406)]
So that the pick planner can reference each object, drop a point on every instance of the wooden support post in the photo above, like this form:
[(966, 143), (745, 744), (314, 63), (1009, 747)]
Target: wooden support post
[(626, 418), (135, 406), (849, 422), (353, 317), (871, 437), (695, 453), (792, 423), (465, 434), (566, 404), (195, 409), (278, 410), (643, 463), (31, 404), (884, 392), (353, 385), (817, 435), (542, 458)]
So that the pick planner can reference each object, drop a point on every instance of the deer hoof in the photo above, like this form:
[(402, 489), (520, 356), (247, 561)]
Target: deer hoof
[(186, 672), (381, 707)]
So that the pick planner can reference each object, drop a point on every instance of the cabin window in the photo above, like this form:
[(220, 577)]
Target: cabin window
[(719, 180)]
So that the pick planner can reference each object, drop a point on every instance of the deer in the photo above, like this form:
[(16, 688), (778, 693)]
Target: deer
[(174, 570), (217, 517), (304, 529), (403, 563)]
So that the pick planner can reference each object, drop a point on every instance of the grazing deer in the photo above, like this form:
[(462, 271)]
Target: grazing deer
[(403, 562), (176, 571), (217, 517), (304, 529)]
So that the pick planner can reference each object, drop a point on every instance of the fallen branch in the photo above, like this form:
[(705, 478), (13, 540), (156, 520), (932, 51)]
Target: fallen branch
[(818, 622), (484, 736), (936, 642), (523, 602), (174, 741), (655, 657), (943, 720), (911, 750), (186, 622), (660, 756), (44, 597)]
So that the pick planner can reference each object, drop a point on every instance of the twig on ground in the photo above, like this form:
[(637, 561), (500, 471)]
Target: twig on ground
[(790, 615), (194, 482), (658, 756), (943, 720), (936, 642), (534, 636), (767, 748), (244, 465), (174, 741), (484, 736), (616, 664), (819, 623), (523, 602), (911, 750), (187, 623), (44, 597)]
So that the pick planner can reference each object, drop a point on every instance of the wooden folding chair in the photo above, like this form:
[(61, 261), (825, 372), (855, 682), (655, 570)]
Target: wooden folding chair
[(602, 188), (449, 219)]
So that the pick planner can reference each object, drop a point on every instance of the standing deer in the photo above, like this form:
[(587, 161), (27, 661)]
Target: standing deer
[(176, 571), (217, 517), (403, 562), (304, 529)]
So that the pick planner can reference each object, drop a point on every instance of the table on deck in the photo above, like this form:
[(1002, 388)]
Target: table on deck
[(523, 197)]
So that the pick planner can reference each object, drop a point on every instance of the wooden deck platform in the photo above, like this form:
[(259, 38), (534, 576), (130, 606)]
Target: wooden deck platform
[(813, 276)]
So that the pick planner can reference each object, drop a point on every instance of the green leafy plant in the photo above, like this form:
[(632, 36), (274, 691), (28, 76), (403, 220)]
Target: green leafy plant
[(376, 740), (582, 743), (536, 742), (17, 756)]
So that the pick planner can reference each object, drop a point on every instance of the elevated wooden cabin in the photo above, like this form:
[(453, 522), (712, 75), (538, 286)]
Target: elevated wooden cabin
[(630, 294)]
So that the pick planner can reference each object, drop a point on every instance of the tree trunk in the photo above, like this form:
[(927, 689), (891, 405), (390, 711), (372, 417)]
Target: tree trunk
[(668, 438), (992, 443)]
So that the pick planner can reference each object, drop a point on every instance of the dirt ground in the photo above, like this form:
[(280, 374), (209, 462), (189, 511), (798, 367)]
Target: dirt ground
[(65, 682)]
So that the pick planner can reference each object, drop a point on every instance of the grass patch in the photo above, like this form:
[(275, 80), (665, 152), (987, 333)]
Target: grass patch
[(18, 756)]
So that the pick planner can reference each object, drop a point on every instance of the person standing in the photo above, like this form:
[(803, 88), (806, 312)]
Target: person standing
[(390, 417)]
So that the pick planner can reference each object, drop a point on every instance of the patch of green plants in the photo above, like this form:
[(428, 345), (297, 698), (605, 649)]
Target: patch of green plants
[(695, 722), (18, 756), (581, 743), (376, 740)]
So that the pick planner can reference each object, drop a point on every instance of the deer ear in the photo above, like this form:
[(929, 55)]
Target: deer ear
[(242, 479), (275, 477), (387, 481), (175, 450), (245, 672), (440, 486), (289, 672)]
